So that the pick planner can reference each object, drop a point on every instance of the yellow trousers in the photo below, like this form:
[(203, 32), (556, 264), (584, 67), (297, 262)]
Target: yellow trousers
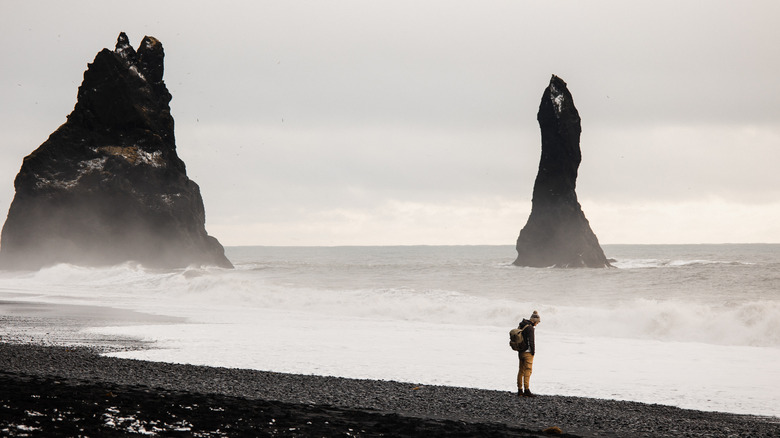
[(524, 374)]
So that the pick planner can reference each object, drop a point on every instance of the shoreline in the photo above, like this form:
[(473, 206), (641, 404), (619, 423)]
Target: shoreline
[(41, 323), (49, 366), (111, 395)]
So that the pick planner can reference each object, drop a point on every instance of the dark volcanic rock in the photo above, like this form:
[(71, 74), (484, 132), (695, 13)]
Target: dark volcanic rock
[(557, 232), (67, 391), (107, 186)]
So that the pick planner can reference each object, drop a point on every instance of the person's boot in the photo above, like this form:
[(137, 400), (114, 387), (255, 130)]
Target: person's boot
[(519, 392), (528, 393)]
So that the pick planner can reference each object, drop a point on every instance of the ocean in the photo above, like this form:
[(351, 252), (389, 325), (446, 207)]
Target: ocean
[(693, 326)]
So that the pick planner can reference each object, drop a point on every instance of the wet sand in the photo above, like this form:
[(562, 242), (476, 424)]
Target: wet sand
[(55, 383), (47, 324)]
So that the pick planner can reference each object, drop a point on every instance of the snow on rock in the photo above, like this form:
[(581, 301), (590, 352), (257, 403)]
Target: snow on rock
[(134, 155), (557, 98)]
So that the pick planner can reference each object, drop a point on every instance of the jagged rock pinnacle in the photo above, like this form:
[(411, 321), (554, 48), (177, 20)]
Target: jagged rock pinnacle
[(108, 185), (150, 59), (124, 49), (557, 232)]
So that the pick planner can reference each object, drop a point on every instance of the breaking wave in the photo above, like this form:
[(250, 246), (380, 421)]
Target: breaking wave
[(225, 295), (663, 263)]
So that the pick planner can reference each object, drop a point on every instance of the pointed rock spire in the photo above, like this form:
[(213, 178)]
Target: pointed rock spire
[(150, 59), (557, 232), (124, 49)]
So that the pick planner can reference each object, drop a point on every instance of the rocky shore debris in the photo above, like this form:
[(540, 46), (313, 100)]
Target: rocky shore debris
[(47, 407), (108, 186), (557, 232), (54, 391)]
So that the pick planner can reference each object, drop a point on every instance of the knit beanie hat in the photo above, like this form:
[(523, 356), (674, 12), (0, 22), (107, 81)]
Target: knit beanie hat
[(535, 317)]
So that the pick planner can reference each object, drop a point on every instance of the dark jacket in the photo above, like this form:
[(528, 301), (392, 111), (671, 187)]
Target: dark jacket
[(528, 336)]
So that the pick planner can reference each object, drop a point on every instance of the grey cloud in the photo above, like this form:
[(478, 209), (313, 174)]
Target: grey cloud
[(352, 103)]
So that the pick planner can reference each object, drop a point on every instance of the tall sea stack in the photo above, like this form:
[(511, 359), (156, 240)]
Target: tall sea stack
[(557, 232), (107, 186)]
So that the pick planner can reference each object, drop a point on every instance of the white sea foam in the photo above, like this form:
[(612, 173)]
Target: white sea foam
[(680, 318), (656, 263), (684, 374)]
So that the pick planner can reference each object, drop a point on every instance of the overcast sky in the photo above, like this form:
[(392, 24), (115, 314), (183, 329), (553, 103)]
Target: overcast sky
[(414, 122)]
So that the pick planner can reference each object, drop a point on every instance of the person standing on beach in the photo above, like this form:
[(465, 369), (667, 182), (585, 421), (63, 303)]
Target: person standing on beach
[(527, 355)]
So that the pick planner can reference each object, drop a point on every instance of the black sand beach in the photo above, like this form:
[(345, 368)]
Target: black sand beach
[(51, 389)]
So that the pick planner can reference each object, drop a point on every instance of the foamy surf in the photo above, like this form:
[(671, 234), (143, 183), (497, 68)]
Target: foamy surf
[(684, 374)]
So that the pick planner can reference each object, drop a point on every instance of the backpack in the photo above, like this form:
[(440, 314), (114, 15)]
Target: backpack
[(516, 341)]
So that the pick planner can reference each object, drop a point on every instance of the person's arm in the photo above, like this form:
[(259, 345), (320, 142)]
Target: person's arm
[(530, 336)]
